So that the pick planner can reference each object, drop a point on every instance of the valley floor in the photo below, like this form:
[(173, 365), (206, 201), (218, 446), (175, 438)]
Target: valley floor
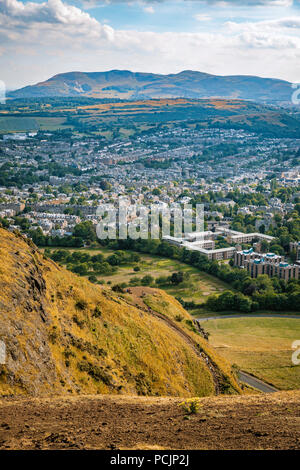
[(121, 422)]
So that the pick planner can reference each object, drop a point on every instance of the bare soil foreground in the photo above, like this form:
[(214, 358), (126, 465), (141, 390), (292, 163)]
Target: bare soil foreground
[(115, 422)]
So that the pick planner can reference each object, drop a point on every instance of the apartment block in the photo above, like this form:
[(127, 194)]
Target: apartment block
[(240, 237), (285, 271), (247, 255)]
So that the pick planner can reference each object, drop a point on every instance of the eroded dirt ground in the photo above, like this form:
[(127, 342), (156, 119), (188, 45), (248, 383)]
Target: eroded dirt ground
[(110, 422)]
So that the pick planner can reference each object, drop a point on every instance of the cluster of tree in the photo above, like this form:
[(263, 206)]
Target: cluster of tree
[(174, 279), (37, 236), (284, 234), (81, 262), (11, 175), (188, 304), (223, 149), (228, 301), (83, 233), (245, 199), (4, 222), (84, 263), (157, 164), (265, 298)]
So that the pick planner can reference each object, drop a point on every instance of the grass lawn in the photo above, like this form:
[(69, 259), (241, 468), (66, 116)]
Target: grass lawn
[(197, 288), (261, 346)]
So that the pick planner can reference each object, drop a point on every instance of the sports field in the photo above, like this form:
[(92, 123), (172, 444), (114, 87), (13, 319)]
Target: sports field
[(260, 346)]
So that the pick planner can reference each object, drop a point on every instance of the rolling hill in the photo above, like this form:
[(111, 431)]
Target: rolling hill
[(64, 335), (123, 84)]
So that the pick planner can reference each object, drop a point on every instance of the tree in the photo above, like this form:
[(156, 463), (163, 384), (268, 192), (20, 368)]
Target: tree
[(81, 269), (147, 280), (156, 192), (177, 278), (105, 185), (37, 236), (114, 260), (85, 230)]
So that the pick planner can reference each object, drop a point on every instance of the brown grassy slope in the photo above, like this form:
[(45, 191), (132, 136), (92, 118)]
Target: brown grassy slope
[(113, 422), (66, 335)]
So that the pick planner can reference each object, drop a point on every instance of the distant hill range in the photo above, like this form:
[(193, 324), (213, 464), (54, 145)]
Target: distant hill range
[(123, 84)]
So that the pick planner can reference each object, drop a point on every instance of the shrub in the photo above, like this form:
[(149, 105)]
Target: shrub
[(96, 372), (191, 406), (97, 312), (81, 305), (118, 288), (147, 280), (52, 337), (179, 318), (93, 279), (78, 322)]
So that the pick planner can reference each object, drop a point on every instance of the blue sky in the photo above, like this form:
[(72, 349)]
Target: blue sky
[(43, 37), (182, 15)]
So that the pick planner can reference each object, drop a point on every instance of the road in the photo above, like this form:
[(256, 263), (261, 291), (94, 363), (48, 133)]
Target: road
[(256, 383), (248, 315)]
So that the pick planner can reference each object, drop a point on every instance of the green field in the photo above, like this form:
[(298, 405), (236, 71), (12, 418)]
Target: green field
[(260, 346), (30, 124), (18, 124)]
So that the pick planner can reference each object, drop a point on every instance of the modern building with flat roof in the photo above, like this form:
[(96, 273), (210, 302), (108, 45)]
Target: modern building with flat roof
[(205, 246), (285, 271), (248, 237), (246, 255)]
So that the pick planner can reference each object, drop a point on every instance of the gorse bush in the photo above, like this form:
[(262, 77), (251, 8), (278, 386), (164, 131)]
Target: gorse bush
[(81, 305), (191, 406)]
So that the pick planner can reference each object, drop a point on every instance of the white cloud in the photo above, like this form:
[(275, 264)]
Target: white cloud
[(224, 3), (200, 17), (289, 24), (52, 11), (220, 3), (41, 39), (149, 9), (39, 21), (273, 3), (281, 33)]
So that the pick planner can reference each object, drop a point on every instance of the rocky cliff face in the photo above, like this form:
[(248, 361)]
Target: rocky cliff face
[(65, 335), (25, 319)]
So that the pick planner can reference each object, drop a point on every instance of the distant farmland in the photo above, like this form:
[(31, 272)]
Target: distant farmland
[(28, 124)]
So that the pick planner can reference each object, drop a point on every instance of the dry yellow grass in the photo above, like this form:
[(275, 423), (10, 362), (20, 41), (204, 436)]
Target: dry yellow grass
[(66, 335)]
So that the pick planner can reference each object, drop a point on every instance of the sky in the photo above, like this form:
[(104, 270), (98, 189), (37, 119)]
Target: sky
[(41, 38)]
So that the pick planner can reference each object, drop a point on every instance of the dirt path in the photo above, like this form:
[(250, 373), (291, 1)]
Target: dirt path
[(116, 422)]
